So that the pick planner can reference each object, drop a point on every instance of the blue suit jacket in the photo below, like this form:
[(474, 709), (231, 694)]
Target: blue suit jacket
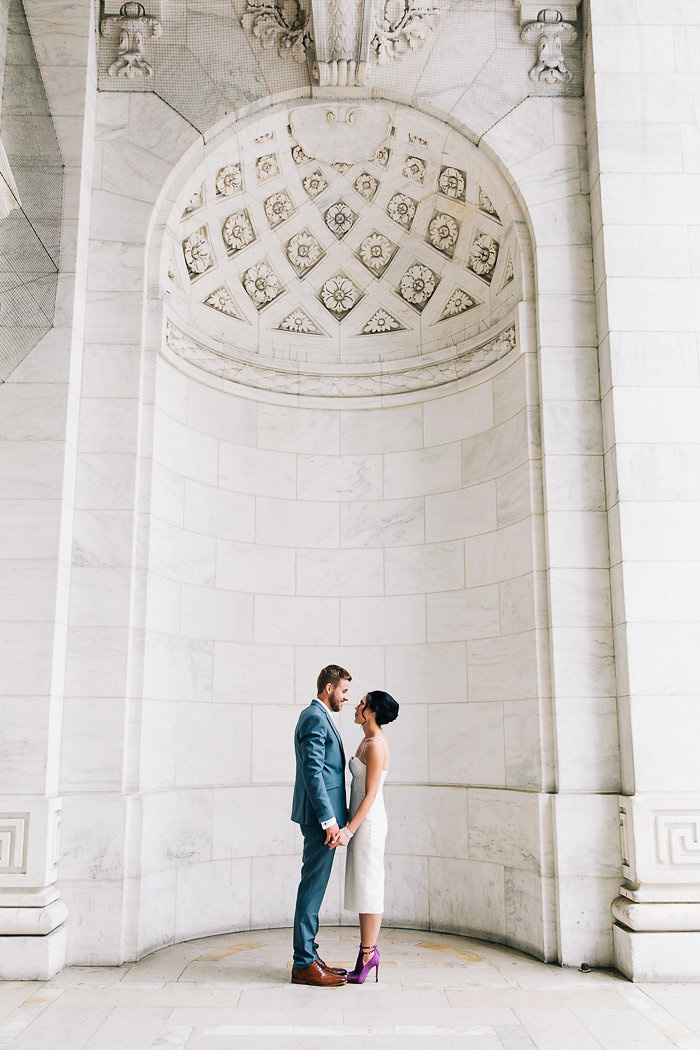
[(319, 787)]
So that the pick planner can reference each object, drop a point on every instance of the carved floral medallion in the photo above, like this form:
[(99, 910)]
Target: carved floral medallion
[(443, 232), (278, 208), (417, 285), (340, 218), (197, 251), (229, 180), (452, 183), (262, 284), (376, 252), (238, 231), (402, 209), (339, 294), (267, 167), (483, 256), (366, 185), (304, 251), (315, 183), (414, 169)]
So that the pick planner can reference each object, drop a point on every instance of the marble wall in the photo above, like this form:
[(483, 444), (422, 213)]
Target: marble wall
[(643, 102), (210, 551), (397, 541)]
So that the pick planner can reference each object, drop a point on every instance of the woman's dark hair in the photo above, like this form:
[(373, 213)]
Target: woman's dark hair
[(383, 705)]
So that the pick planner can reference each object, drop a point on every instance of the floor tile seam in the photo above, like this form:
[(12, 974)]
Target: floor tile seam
[(569, 1010), (657, 1015)]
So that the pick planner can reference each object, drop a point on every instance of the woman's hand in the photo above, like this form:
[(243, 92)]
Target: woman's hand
[(341, 839)]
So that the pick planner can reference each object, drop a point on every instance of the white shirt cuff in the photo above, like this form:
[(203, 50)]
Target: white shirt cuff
[(325, 824)]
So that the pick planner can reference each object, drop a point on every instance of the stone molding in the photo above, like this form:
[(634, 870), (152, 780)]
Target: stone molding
[(403, 378), (134, 27)]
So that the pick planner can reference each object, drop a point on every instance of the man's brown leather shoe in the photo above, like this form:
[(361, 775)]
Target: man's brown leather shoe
[(333, 969), (316, 976)]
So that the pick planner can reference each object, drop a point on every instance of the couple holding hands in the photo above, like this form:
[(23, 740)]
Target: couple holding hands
[(319, 806)]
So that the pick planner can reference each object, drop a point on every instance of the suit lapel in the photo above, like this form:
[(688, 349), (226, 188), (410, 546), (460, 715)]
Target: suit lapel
[(335, 729)]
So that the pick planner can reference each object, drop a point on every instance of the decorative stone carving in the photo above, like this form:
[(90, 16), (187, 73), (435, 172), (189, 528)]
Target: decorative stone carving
[(223, 302), (267, 136), (339, 295), (483, 256), (452, 183), (229, 180), (300, 322), (134, 26), (508, 271), (340, 218), (416, 140), (443, 232), (382, 156), (381, 321), (402, 27), (262, 284), (13, 843), (314, 183), (418, 285), (196, 201), (292, 237), (385, 381), (346, 33), (458, 303), (414, 169), (402, 209), (281, 23), (238, 231), (550, 34), (342, 35), (278, 208), (303, 252), (486, 205), (366, 185), (266, 167), (340, 132), (197, 251), (298, 155), (341, 166), (376, 252)]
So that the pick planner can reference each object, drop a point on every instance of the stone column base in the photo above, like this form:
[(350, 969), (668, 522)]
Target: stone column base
[(24, 958), (644, 956)]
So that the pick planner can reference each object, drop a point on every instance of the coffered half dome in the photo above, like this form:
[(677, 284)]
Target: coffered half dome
[(407, 249)]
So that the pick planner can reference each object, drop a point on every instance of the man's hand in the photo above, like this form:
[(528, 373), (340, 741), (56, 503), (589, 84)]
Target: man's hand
[(342, 838), (331, 833)]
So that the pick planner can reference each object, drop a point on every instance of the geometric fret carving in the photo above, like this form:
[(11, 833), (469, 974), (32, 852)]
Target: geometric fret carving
[(677, 838), (13, 843)]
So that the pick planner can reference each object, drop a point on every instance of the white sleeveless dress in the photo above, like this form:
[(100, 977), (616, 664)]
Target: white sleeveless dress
[(364, 867)]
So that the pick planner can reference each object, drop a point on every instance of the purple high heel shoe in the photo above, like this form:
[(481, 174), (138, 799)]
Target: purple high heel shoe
[(359, 974)]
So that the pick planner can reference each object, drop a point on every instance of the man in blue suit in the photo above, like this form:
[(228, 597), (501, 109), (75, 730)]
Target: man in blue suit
[(319, 806)]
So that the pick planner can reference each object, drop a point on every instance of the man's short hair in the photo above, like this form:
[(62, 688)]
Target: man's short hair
[(333, 673)]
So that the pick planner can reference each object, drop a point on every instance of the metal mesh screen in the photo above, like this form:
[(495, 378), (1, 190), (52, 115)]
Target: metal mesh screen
[(30, 234), (206, 63)]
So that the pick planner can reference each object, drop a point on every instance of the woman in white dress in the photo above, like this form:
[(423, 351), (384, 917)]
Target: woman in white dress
[(367, 826)]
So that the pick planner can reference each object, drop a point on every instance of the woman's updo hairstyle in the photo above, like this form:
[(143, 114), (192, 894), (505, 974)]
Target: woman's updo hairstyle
[(383, 705)]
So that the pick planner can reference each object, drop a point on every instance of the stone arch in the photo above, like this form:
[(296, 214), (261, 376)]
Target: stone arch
[(188, 849)]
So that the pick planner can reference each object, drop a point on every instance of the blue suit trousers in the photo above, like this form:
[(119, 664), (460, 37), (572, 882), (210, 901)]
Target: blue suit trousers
[(316, 864)]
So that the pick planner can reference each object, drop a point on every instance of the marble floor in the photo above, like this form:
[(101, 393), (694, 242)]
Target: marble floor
[(435, 991)]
